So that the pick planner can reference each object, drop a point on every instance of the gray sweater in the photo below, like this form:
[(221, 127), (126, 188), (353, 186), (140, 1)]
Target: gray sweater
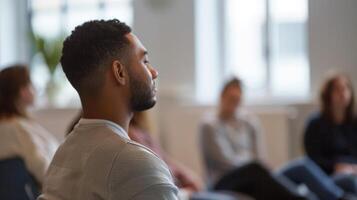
[(227, 144)]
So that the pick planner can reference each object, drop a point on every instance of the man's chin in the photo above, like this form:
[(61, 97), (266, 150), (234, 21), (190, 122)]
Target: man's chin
[(146, 106), (152, 104)]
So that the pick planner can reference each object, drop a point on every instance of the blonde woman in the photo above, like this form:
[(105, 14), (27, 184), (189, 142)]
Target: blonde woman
[(21, 137)]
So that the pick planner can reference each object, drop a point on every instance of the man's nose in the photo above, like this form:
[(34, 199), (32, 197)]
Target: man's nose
[(154, 73)]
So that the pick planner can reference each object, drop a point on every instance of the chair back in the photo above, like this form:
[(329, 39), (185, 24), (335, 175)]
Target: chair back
[(16, 183)]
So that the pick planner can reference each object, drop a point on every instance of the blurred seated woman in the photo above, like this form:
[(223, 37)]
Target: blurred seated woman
[(22, 140), (229, 143), (330, 137)]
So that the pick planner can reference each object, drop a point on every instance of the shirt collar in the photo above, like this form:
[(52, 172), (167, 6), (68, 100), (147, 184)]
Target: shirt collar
[(114, 126)]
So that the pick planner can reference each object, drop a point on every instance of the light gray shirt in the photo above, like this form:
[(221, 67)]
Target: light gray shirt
[(227, 144), (99, 161)]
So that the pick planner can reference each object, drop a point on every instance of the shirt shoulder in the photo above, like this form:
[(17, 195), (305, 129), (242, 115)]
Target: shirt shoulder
[(9, 129), (209, 121), (97, 161), (135, 169), (10, 140)]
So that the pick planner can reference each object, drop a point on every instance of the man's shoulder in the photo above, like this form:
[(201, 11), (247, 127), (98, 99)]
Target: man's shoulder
[(126, 153), (88, 147), (140, 157), (120, 165), (126, 148), (136, 169)]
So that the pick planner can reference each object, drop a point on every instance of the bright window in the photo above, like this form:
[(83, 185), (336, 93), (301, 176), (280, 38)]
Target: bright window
[(289, 69), (264, 42), (266, 47)]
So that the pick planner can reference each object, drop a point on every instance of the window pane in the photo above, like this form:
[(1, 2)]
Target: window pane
[(245, 28), (294, 10), (76, 17), (289, 64), (45, 5), (207, 48), (81, 3), (122, 12), (46, 24)]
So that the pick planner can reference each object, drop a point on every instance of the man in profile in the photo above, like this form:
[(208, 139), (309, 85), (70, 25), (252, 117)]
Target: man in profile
[(109, 68)]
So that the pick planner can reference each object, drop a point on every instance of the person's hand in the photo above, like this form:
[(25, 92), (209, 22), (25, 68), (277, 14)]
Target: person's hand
[(345, 168), (184, 177), (354, 168), (189, 181)]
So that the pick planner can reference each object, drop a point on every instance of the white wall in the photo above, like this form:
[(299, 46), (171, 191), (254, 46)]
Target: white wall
[(166, 27), (56, 121), (332, 38)]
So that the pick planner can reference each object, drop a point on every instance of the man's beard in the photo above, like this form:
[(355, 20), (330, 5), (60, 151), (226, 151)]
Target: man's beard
[(142, 97)]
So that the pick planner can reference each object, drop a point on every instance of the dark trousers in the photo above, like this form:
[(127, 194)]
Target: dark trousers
[(256, 181), (347, 182)]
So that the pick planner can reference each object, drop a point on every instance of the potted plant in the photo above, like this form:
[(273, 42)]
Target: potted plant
[(50, 51)]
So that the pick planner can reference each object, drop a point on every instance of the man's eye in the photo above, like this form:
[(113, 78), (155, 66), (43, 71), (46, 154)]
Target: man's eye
[(146, 61)]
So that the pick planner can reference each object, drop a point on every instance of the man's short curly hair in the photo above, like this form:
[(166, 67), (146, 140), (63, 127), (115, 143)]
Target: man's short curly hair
[(89, 49)]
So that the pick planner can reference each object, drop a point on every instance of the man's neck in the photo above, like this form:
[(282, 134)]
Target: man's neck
[(120, 115)]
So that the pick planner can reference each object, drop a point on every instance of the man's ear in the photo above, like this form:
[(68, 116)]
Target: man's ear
[(119, 72)]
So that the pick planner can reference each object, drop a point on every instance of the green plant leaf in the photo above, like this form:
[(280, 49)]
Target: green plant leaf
[(50, 49)]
